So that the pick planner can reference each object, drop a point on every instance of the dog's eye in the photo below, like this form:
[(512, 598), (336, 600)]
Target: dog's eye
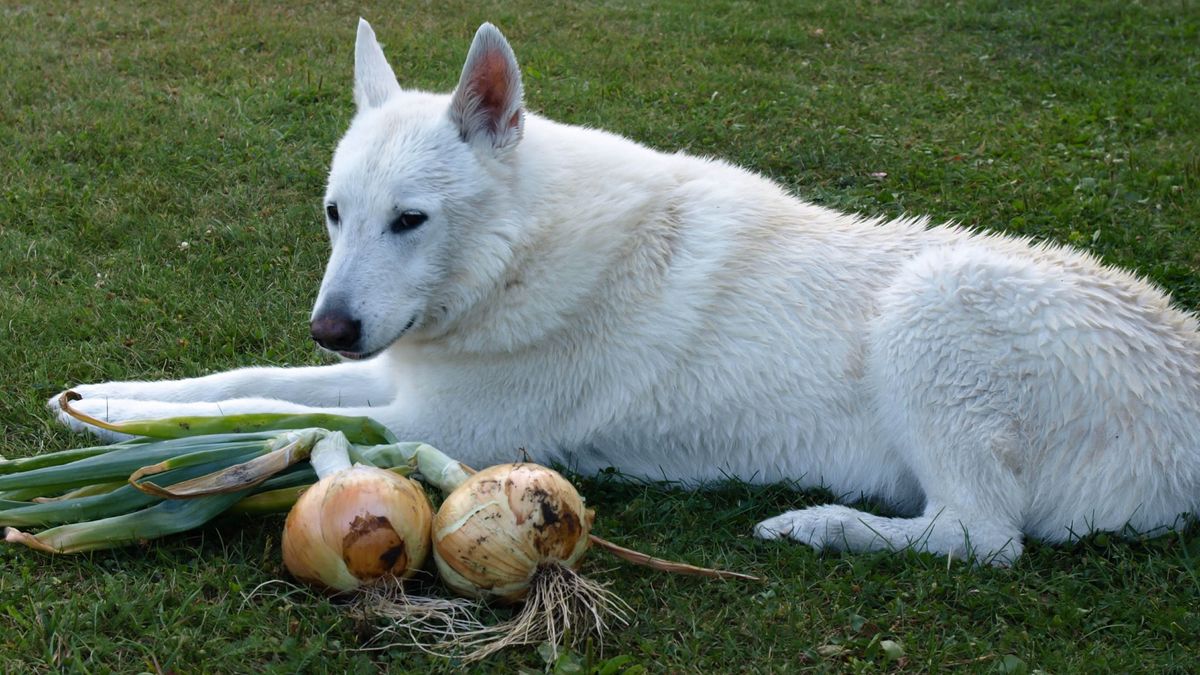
[(331, 213), (409, 220)]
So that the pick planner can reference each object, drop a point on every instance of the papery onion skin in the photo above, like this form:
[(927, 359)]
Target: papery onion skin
[(491, 534), (356, 527)]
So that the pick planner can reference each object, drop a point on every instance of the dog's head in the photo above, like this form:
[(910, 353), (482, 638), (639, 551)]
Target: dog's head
[(417, 204)]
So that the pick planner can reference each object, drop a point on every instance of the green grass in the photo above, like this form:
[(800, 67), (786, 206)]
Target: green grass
[(126, 131)]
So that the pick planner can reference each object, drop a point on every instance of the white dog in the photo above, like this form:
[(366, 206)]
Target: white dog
[(501, 281)]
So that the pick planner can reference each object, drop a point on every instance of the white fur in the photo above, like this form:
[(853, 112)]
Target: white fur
[(601, 304)]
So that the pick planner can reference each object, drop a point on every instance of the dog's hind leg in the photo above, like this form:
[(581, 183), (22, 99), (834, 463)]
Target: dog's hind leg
[(971, 509), (951, 367)]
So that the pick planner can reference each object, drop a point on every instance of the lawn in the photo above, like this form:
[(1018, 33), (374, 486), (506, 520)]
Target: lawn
[(160, 216)]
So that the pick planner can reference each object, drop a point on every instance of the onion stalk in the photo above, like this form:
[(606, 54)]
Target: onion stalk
[(357, 429), (213, 462)]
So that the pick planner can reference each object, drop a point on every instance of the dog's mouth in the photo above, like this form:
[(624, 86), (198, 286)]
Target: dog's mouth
[(362, 356), (359, 356)]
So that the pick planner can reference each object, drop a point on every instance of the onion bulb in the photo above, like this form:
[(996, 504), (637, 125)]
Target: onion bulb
[(494, 530), (355, 527)]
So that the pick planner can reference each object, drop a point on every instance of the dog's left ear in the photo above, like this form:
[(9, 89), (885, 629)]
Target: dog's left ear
[(487, 106)]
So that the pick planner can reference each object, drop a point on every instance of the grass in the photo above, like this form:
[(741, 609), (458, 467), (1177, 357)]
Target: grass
[(128, 130)]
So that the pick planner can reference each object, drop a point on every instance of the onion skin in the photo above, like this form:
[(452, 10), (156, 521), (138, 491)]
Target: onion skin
[(491, 534), (356, 527)]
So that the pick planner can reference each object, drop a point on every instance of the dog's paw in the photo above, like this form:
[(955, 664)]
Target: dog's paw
[(54, 405), (839, 528), (81, 391), (820, 527), (98, 408), (109, 410), (105, 390)]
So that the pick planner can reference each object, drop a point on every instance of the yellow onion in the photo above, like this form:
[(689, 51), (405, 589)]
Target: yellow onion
[(357, 526), (498, 527)]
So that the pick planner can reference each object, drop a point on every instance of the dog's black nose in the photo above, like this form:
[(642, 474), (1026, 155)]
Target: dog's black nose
[(336, 332)]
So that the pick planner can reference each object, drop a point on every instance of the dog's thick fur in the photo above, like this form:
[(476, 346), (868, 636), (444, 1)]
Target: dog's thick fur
[(602, 304)]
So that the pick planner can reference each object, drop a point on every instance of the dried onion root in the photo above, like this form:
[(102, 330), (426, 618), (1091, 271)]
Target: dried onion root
[(561, 603), (414, 621)]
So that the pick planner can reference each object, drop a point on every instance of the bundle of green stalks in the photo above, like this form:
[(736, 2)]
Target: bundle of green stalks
[(175, 475)]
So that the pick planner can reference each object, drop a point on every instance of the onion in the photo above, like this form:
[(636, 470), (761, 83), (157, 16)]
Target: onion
[(517, 532), (494, 531), (355, 527)]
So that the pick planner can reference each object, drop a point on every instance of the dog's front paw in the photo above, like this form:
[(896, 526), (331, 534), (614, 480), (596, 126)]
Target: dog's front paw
[(71, 397), (99, 408), (86, 392), (103, 390), (55, 402)]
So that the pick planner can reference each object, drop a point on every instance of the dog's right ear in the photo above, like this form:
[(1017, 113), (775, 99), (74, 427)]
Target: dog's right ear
[(374, 81)]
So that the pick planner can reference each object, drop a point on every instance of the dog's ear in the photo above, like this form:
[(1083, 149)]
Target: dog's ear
[(487, 105), (374, 81)]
